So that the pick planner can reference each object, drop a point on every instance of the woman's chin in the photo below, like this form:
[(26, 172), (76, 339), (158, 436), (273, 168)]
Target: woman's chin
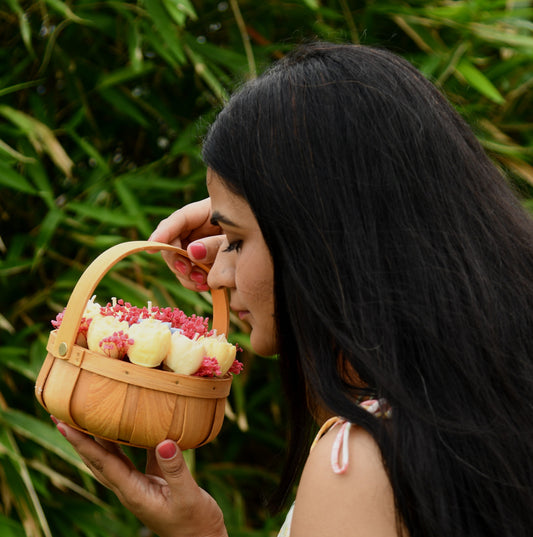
[(261, 345)]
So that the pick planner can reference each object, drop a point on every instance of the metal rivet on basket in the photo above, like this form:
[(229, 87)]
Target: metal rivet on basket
[(62, 349)]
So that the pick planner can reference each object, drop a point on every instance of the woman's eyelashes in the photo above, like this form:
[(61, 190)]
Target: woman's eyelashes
[(233, 246)]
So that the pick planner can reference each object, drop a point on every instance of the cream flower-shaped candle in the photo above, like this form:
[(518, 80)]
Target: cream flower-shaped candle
[(219, 348), (185, 355), (91, 311), (100, 329), (151, 342)]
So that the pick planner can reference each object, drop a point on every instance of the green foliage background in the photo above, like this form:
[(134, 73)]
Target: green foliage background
[(102, 107)]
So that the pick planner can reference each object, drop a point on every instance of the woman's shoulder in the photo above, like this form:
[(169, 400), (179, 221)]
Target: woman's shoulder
[(344, 489)]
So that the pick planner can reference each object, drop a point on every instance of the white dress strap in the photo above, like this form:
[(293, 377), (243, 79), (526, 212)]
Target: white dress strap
[(285, 530), (340, 449)]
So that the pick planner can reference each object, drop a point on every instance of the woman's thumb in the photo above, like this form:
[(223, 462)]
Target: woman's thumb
[(172, 464)]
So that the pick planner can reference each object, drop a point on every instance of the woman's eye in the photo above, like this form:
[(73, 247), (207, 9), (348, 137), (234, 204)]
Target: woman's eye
[(233, 246)]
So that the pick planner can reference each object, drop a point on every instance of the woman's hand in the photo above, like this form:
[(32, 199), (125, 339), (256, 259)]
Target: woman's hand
[(190, 228), (166, 499)]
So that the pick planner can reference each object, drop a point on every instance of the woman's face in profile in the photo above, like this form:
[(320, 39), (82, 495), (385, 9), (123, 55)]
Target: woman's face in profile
[(243, 265)]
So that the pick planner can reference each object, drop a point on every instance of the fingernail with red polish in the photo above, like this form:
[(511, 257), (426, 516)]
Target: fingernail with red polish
[(197, 277), (202, 287), (54, 419), (61, 429), (198, 250), (166, 449), (180, 266)]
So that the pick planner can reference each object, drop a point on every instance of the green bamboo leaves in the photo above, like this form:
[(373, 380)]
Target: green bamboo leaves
[(41, 137), (483, 47)]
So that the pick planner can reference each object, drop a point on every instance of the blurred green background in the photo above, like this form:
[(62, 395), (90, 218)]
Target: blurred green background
[(102, 109)]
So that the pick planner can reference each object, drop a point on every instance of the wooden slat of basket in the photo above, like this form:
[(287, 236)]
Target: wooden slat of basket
[(41, 378), (98, 403), (197, 421), (218, 419), (176, 425), (153, 417), (57, 401), (128, 412)]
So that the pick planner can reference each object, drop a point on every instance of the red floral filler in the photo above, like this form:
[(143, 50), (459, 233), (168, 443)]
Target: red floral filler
[(117, 340), (190, 326), (84, 323), (84, 326), (236, 367), (209, 368), (56, 323), (124, 311)]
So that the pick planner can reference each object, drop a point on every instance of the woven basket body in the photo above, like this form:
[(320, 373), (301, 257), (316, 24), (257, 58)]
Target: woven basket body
[(121, 401)]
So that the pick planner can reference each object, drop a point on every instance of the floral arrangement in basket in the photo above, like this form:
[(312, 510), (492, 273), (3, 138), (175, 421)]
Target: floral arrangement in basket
[(155, 337)]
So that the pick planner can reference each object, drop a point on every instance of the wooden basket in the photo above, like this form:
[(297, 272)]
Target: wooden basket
[(121, 401)]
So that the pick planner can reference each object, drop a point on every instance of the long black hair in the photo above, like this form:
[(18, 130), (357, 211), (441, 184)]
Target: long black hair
[(403, 268)]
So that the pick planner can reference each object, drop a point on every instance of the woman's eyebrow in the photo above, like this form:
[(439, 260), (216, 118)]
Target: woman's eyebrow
[(218, 218)]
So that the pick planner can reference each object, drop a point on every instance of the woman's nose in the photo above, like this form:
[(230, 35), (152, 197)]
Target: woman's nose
[(222, 273)]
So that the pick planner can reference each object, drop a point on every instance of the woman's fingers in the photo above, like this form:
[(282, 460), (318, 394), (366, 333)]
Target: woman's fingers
[(186, 225), (152, 466), (136, 491), (201, 251), (106, 466), (114, 471), (115, 449), (190, 228), (205, 250)]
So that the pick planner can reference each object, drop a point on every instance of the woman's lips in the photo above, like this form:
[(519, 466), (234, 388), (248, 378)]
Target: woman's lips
[(240, 312)]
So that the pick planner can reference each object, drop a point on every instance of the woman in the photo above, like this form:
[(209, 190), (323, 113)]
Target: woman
[(369, 241)]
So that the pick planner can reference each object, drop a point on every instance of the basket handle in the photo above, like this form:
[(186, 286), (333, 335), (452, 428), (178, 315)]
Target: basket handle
[(68, 330)]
